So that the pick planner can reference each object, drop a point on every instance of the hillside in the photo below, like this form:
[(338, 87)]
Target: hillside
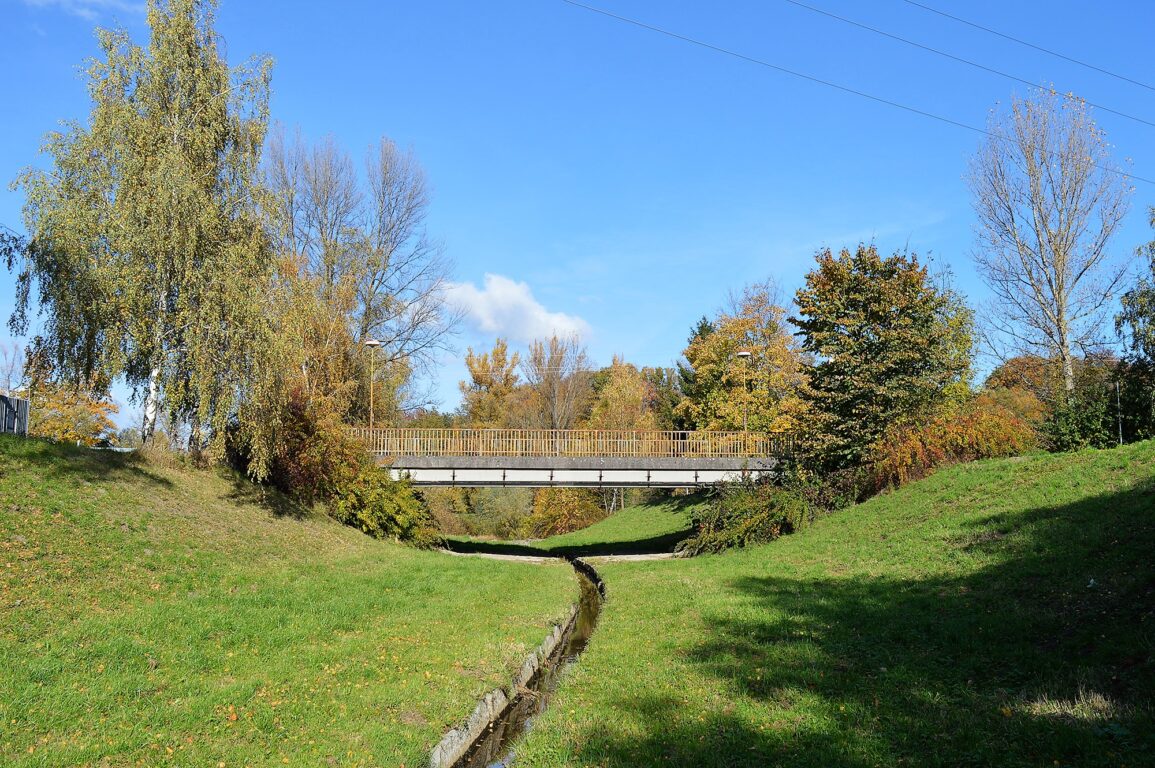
[(998, 613), (159, 615)]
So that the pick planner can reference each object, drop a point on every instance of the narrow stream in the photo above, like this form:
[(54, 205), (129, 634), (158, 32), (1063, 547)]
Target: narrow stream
[(494, 749)]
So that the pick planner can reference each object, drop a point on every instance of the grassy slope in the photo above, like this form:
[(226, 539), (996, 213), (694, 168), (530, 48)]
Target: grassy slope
[(1001, 613), (644, 528), (639, 529), (162, 616)]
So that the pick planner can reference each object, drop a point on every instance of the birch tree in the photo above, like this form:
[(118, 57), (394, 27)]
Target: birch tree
[(145, 254), (1048, 200)]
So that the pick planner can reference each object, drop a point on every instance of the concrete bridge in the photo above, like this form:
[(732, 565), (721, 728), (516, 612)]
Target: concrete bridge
[(574, 458)]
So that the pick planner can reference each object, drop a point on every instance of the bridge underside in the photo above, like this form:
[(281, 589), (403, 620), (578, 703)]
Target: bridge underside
[(571, 472)]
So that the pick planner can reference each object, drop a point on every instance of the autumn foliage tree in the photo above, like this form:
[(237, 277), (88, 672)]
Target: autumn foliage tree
[(492, 379), (71, 415), (560, 510), (888, 345), (762, 391), (623, 400)]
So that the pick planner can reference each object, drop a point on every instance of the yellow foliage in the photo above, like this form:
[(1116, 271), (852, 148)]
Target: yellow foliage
[(622, 401), (762, 390), (71, 415)]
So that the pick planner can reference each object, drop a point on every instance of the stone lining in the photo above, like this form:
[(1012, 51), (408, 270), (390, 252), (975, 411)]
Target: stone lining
[(456, 743)]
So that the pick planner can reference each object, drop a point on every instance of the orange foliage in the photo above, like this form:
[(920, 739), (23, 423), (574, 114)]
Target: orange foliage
[(983, 430)]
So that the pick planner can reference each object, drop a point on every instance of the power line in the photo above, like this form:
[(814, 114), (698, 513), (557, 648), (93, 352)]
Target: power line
[(959, 59), (1047, 51), (820, 81)]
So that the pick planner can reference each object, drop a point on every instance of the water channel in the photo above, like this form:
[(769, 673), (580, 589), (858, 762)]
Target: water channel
[(495, 747)]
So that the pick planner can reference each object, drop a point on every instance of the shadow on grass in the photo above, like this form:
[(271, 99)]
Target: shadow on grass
[(1044, 657), (61, 461), (653, 545), (273, 501)]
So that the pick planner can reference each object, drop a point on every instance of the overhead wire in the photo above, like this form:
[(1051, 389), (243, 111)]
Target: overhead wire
[(1019, 41), (959, 59), (820, 81)]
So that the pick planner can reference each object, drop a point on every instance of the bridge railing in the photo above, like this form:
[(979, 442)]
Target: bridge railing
[(577, 443)]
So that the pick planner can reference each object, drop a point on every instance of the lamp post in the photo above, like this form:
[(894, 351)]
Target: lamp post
[(372, 345), (745, 355)]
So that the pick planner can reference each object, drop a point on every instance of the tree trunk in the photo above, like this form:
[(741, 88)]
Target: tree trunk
[(151, 405)]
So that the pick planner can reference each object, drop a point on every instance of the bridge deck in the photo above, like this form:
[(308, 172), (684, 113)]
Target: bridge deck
[(575, 458)]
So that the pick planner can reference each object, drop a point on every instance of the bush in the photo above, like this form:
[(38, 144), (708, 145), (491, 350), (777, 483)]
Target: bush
[(982, 430), (316, 460), (1081, 422), (385, 509), (1136, 397), (741, 514), (449, 507)]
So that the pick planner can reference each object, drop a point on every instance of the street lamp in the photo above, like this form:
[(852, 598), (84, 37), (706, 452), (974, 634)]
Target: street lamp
[(745, 354), (372, 344)]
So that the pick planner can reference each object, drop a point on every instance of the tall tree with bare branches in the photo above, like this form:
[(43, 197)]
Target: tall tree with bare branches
[(11, 367), (365, 235), (1048, 199), (559, 378)]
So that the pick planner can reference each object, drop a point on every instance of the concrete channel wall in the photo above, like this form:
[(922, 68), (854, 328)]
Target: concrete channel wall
[(455, 744)]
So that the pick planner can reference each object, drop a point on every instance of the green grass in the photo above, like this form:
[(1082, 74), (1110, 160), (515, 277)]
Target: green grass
[(167, 616), (996, 614), (641, 529)]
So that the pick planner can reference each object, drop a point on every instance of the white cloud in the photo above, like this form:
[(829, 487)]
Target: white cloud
[(507, 308), (90, 9)]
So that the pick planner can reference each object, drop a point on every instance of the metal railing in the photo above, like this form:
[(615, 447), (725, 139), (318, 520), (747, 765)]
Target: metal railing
[(578, 443)]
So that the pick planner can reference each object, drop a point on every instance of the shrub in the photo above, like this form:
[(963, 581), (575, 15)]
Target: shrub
[(1078, 423), (385, 508), (1135, 398), (315, 458), (449, 507), (741, 514), (981, 430)]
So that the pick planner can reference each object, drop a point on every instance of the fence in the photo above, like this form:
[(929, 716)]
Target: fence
[(581, 443), (13, 415)]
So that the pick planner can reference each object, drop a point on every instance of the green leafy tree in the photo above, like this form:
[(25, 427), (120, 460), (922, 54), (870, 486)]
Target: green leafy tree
[(888, 346), (688, 383), (146, 256), (1136, 320)]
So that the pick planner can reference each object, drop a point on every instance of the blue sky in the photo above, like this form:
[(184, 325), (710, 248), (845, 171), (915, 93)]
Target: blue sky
[(593, 175)]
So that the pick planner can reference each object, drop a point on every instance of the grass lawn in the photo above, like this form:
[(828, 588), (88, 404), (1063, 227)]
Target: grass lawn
[(640, 529), (996, 614), (166, 616)]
